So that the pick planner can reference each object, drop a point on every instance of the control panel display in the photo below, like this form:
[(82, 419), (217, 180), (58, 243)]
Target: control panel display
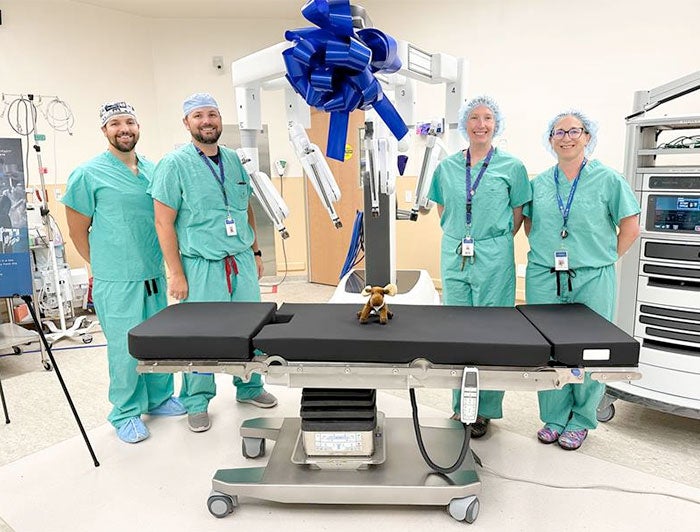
[(673, 214)]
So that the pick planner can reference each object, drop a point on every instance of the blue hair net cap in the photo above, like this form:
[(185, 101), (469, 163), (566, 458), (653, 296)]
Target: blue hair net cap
[(197, 101), (466, 109), (589, 125)]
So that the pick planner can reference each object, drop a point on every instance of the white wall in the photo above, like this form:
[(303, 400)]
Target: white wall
[(535, 57), (85, 56), (183, 51)]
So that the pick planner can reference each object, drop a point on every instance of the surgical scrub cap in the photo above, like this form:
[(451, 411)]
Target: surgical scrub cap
[(197, 101), (466, 109), (589, 125), (110, 109)]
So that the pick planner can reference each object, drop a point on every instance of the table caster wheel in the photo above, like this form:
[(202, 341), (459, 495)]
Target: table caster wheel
[(17, 350), (47, 365), (606, 414), (220, 504), (465, 509), (87, 338), (253, 447)]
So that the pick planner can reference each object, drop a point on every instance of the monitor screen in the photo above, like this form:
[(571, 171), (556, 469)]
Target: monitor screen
[(675, 214)]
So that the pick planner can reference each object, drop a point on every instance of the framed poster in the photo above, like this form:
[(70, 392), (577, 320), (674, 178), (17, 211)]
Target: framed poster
[(15, 265)]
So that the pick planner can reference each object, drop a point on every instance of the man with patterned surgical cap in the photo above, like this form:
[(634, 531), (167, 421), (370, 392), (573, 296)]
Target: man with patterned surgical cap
[(206, 228), (480, 192), (111, 222)]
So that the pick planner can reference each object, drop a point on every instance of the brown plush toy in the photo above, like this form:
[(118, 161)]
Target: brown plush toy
[(376, 306)]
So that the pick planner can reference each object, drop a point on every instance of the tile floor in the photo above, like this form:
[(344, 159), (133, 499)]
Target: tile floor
[(48, 481)]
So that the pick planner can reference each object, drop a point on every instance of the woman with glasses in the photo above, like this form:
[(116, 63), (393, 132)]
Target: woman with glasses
[(582, 218), (479, 192)]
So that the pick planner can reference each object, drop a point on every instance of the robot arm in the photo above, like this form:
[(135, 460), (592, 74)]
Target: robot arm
[(380, 153), (317, 170), (435, 150), (262, 70), (431, 68), (271, 201), (646, 100)]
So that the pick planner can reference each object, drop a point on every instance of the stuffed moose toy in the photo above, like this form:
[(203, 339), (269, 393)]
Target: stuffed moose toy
[(376, 306)]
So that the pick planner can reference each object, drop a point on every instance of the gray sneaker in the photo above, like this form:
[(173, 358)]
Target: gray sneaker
[(199, 422), (264, 400)]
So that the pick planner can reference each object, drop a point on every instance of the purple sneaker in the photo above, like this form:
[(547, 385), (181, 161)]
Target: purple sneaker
[(572, 439), (547, 435)]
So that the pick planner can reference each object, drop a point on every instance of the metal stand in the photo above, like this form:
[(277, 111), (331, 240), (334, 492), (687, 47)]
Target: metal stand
[(56, 333), (45, 342), (402, 479), (4, 406)]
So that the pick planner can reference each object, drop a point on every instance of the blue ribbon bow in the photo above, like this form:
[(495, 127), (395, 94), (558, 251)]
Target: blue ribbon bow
[(332, 67)]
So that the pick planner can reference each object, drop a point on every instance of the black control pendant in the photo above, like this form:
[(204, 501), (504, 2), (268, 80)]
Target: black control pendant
[(564, 233)]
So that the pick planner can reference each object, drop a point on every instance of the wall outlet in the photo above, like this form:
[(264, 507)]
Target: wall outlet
[(408, 196)]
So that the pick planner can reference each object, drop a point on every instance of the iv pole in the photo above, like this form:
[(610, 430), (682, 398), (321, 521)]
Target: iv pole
[(63, 332)]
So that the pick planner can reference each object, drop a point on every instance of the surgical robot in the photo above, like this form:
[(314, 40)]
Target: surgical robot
[(264, 70)]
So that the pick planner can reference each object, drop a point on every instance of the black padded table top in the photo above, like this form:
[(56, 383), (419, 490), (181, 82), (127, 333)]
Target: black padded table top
[(580, 335), (202, 331), (441, 334), (526, 336)]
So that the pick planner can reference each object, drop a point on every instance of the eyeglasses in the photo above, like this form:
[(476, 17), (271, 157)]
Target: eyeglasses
[(574, 133)]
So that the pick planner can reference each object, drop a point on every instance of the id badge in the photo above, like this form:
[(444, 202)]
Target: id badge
[(231, 227), (467, 247), (561, 260)]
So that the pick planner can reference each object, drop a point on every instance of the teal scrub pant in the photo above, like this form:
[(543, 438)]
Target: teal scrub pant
[(206, 280), (574, 406), (488, 282), (120, 306)]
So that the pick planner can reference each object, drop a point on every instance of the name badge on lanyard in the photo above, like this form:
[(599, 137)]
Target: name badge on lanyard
[(231, 226), (467, 247), (561, 260)]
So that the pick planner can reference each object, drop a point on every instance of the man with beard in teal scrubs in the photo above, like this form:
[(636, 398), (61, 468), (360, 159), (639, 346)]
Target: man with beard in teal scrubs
[(206, 228), (111, 222)]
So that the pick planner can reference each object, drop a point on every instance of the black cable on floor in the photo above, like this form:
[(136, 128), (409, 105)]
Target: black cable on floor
[(419, 438)]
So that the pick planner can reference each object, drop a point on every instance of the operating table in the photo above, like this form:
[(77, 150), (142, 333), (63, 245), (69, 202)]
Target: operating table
[(341, 450)]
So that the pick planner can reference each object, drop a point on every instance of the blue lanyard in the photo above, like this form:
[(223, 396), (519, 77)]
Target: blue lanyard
[(221, 177), (564, 210), (471, 189)]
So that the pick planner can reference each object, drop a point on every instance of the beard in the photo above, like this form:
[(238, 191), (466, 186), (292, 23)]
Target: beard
[(211, 138), (124, 144)]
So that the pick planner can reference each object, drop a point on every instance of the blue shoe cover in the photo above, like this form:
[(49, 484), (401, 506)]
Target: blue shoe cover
[(132, 430), (171, 407)]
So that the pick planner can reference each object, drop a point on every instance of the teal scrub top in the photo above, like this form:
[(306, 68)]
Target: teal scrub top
[(602, 198), (123, 241), (504, 186), (184, 182)]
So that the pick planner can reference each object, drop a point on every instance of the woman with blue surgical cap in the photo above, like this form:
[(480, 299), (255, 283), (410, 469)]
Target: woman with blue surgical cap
[(479, 192), (582, 218)]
